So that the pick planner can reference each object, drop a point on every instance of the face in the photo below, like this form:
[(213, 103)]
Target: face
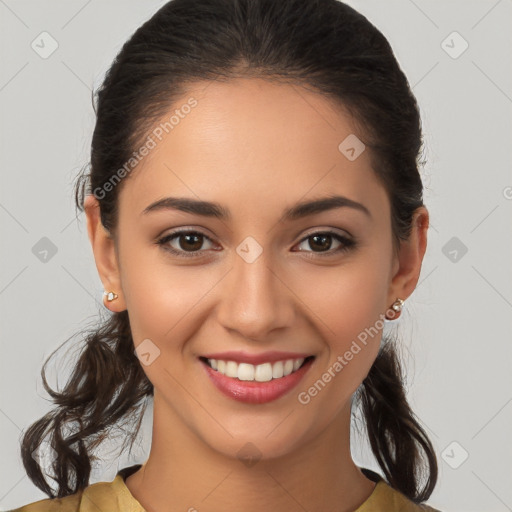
[(255, 285)]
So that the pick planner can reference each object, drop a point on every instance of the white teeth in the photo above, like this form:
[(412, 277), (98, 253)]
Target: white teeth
[(260, 373), (277, 370), (231, 369), (245, 371), (288, 367), (263, 372)]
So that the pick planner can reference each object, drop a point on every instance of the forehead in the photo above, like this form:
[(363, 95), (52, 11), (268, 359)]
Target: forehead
[(248, 141)]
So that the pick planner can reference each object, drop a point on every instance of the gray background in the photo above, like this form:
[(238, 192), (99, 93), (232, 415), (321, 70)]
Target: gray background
[(456, 327)]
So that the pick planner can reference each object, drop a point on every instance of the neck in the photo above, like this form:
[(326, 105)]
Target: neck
[(183, 473)]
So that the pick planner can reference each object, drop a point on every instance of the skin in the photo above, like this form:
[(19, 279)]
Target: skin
[(255, 147)]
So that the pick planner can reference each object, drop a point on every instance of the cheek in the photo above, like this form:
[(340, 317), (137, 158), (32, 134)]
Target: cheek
[(159, 303), (348, 298), (348, 303), (160, 295)]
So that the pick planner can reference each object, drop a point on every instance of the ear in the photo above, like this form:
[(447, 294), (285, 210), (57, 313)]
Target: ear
[(407, 264), (104, 249)]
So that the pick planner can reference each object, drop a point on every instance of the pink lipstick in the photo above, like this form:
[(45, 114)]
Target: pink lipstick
[(256, 378)]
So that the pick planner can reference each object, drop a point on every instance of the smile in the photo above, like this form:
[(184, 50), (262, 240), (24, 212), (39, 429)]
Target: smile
[(256, 383)]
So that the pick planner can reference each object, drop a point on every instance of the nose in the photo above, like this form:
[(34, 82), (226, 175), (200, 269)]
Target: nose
[(255, 301)]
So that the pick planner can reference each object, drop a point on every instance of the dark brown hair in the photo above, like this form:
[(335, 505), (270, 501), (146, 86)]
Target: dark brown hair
[(323, 45)]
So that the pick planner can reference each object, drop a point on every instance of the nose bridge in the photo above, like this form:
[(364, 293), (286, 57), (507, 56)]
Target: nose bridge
[(254, 301)]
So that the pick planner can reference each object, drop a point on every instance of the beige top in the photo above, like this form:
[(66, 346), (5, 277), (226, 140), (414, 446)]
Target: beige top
[(116, 497)]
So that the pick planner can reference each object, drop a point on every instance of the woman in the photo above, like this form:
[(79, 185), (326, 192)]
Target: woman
[(255, 211)]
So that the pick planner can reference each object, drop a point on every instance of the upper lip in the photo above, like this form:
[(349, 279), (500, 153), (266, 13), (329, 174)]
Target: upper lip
[(255, 359)]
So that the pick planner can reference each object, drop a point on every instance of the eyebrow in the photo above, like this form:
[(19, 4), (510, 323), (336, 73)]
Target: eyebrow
[(212, 209)]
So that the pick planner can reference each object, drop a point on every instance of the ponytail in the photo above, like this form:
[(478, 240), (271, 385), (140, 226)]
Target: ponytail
[(106, 385), (394, 433)]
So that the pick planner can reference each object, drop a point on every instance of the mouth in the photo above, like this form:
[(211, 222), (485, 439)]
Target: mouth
[(259, 383)]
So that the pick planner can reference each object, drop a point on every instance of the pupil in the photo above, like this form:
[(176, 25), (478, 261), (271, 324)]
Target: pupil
[(324, 238), (190, 236)]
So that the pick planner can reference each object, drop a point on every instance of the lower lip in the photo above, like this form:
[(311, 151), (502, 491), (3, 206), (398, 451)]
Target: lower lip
[(253, 392)]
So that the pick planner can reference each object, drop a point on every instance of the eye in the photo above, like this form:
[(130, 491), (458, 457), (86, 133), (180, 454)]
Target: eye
[(322, 240), (186, 243)]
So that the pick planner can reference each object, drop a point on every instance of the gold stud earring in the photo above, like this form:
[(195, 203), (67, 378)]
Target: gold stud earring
[(110, 296), (396, 307), (398, 304)]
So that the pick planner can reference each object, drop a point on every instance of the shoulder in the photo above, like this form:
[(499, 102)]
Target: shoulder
[(104, 495), (403, 504), (386, 499), (70, 503)]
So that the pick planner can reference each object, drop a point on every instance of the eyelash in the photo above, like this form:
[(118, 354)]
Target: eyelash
[(347, 243)]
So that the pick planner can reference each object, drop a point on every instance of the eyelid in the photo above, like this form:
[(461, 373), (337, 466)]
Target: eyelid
[(337, 231), (308, 233), (186, 229)]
